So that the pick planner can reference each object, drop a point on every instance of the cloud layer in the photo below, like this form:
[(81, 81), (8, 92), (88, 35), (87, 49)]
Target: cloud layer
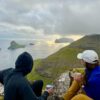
[(38, 18)]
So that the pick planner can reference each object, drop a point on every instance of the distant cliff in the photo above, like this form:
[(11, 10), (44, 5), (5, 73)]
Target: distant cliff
[(14, 45)]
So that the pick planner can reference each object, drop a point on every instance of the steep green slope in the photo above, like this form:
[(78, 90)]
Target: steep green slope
[(36, 76), (87, 42), (65, 59)]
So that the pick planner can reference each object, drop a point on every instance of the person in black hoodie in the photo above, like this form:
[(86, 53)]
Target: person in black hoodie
[(36, 86), (16, 86)]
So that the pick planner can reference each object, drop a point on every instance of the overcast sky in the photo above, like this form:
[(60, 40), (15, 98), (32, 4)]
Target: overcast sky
[(48, 18)]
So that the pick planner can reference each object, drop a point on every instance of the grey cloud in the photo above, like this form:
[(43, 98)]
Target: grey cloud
[(84, 19), (52, 16)]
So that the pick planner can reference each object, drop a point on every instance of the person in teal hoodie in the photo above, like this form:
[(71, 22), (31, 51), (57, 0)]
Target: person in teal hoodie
[(16, 86)]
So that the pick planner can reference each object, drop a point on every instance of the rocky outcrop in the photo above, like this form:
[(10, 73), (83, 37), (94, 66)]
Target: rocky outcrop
[(14, 45), (61, 86)]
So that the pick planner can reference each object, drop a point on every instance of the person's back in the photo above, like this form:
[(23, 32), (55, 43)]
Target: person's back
[(12, 85), (16, 87)]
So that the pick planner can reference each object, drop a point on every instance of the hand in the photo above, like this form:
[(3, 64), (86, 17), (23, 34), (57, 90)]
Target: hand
[(50, 91), (78, 77)]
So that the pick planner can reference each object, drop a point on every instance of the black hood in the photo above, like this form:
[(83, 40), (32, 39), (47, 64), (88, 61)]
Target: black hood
[(24, 63)]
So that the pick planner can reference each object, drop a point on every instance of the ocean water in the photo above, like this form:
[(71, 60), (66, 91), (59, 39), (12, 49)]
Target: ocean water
[(40, 49)]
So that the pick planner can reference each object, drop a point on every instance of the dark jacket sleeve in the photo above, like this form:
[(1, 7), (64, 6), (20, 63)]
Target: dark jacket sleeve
[(28, 94), (44, 96), (3, 73)]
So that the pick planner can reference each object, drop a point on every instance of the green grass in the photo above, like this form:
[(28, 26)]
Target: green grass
[(59, 62), (56, 72), (35, 76)]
